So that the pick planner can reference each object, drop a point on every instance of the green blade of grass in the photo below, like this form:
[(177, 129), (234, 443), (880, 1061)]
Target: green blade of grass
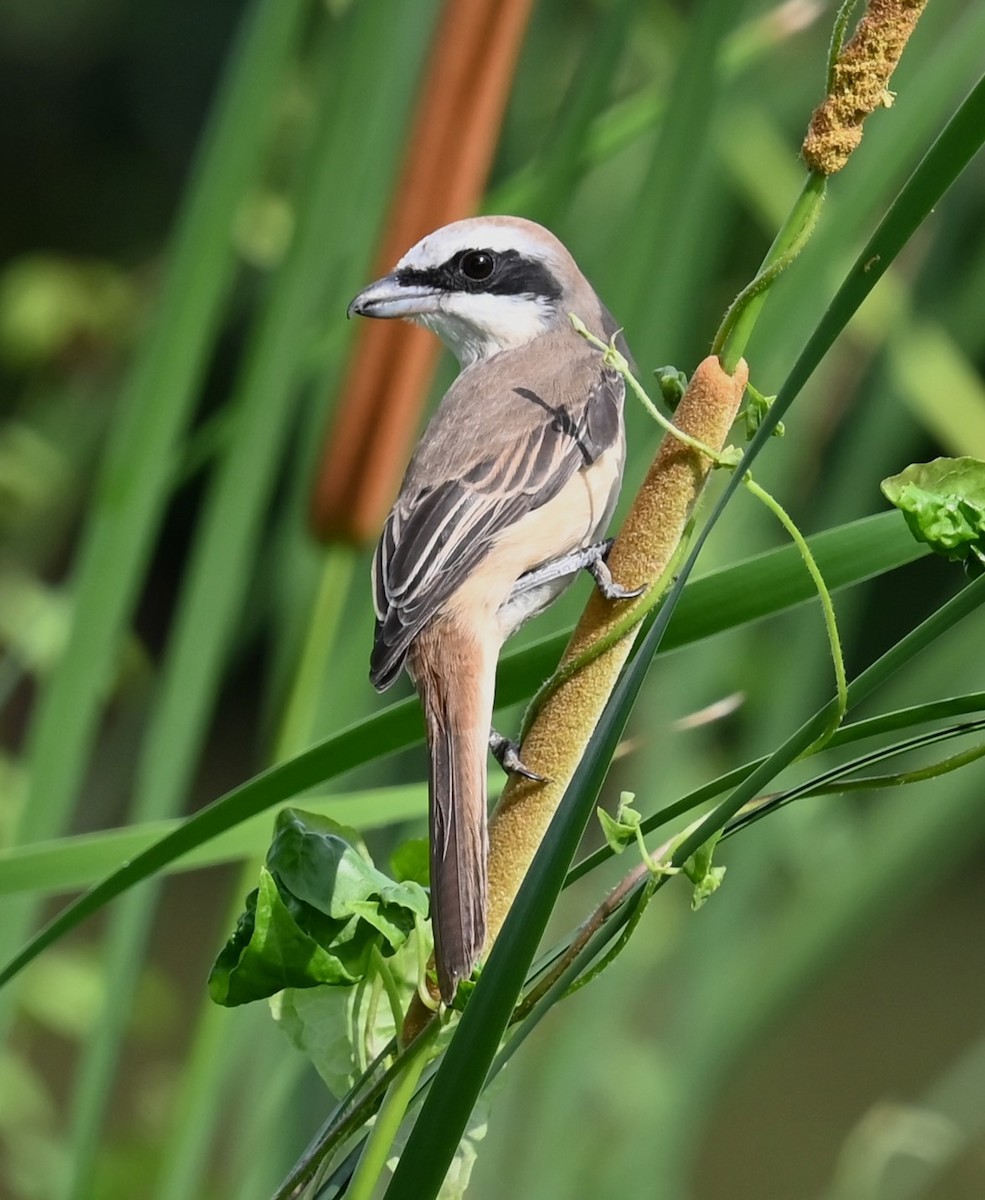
[(836, 781), (854, 731), (948, 615), (556, 171), (136, 473), (70, 863), (460, 1077), (779, 574), (658, 276)]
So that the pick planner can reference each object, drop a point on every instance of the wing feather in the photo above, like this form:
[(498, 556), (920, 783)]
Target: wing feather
[(440, 530)]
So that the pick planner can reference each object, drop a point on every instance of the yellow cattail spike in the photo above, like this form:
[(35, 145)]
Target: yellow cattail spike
[(564, 724), (859, 82)]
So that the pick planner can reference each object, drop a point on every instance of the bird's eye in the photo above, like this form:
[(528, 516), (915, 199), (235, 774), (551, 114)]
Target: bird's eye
[(477, 264)]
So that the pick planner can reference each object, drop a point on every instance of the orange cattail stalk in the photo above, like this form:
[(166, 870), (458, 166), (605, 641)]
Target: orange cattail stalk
[(470, 69)]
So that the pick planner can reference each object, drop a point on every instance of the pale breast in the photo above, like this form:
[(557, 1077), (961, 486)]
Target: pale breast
[(576, 517)]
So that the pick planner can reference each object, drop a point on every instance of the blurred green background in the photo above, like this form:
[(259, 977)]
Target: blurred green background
[(177, 256)]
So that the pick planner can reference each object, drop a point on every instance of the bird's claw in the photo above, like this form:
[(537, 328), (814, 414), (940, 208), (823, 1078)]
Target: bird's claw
[(611, 590), (507, 754)]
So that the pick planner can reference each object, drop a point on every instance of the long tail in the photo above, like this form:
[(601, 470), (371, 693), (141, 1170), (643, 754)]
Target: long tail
[(455, 672)]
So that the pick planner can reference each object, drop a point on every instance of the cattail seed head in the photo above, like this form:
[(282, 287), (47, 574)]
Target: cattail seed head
[(859, 82)]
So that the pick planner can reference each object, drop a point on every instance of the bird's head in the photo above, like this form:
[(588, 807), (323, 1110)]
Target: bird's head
[(483, 285)]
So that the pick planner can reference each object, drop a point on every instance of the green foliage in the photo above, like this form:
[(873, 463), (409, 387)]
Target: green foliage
[(944, 505), (410, 861), (148, 666), (320, 910), (620, 830), (705, 878)]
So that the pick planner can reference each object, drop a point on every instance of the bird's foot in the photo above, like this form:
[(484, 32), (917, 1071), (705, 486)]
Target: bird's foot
[(507, 754), (599, 571), (589, 558), (594, 562)]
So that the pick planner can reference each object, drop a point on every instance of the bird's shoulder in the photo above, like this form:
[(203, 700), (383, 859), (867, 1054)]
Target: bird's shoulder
[(556, 387)]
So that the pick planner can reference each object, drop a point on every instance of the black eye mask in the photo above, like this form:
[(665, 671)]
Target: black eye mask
[(486, 272)]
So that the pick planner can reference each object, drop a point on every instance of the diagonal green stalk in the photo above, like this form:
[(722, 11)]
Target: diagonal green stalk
[(834, 782), (739, 321), (846, 735), (372, 1162)]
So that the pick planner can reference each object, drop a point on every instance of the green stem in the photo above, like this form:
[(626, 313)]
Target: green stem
[(835, 783), (838, 38), (640, 900), (920, 775), (326, 615), (740, 320), (390, 986), (826, 603), (618, 361), (374, 1157)]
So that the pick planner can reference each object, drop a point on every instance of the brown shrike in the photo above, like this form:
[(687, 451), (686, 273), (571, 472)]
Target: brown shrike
[(511, 485)]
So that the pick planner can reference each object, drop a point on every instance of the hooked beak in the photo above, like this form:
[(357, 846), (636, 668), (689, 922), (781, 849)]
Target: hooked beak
[(388, 297)]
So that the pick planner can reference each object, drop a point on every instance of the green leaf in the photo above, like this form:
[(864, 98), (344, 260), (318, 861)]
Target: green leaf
[(340, 1029), (672, 384), (268, 951), (757, 406), (318, 912), (411, 861), (944, 504), (620, 830), (705, 878)]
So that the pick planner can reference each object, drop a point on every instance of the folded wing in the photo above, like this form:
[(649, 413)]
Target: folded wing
[(440, 529)]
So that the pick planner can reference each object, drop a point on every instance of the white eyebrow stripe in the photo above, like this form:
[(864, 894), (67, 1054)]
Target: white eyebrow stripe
[(437, 248)]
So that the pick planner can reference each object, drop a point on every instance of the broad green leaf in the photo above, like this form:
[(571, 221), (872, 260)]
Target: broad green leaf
[(944, 504), (317, 914), (270, 949), (319, 1022), (342, 1029), (410, 860)]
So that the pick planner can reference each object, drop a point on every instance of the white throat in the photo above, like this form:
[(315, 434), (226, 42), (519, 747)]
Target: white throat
[(477, 326)]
